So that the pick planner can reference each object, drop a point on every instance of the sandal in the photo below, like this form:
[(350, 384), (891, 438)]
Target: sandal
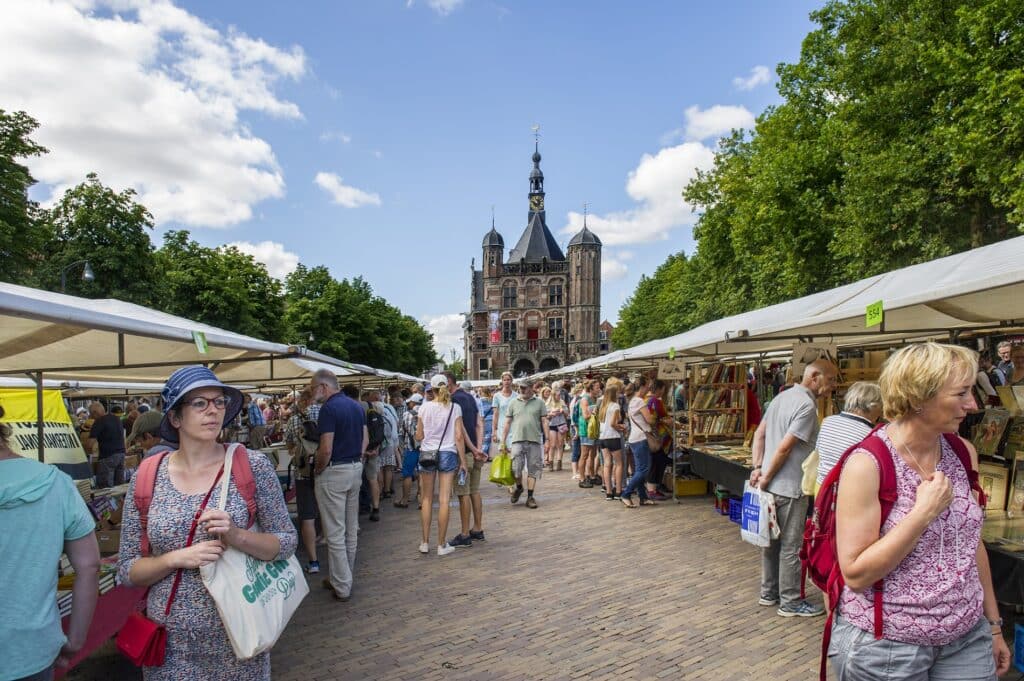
[(648, 502), (628, 503), (399, 504)]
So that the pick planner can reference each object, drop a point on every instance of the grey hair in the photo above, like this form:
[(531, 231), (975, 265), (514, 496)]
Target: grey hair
[(863, 396), (326, 377), (1004, 344)]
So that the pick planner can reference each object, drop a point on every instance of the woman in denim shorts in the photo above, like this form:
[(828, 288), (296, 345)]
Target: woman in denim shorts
[(940, 617), (439, 429)]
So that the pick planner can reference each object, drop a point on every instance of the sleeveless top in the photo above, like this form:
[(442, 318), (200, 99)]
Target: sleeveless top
[(934, 595)]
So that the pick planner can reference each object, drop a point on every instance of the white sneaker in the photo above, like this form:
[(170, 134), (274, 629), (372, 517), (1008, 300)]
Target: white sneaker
[(445, 550), (424, 548), (575, 476)]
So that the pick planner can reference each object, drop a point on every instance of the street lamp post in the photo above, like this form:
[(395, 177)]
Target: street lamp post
[(87, 273)]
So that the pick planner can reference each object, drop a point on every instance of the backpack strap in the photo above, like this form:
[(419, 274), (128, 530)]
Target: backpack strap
[(145, 481), (241, 471), (964, 455), (887, 495)]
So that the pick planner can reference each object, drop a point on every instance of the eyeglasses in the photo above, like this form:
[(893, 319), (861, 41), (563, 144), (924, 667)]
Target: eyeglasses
[(202, 403)]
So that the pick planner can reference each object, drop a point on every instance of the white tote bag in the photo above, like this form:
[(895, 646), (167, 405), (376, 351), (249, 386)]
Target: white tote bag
[(755, 527), (255, 598)]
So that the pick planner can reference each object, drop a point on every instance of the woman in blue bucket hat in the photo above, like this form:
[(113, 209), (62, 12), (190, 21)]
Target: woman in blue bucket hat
[(198, 405)]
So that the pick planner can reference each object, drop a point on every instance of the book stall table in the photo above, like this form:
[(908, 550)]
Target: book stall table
[(112, 609), (721, 464)]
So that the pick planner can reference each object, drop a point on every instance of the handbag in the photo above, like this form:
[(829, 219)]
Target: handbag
[(431, 458), (255, 598), (653, 440), (142, 640), (501, 470)]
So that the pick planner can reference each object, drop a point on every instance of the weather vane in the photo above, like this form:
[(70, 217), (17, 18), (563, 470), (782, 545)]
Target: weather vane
[(585, 205), (536, 132)]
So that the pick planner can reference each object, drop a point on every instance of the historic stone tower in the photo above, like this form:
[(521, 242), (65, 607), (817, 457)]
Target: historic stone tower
[(536, 310)]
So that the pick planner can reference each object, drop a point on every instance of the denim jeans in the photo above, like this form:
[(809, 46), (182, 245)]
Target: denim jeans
[(576, 449), (337, 494), (641, 465), (780, 562)]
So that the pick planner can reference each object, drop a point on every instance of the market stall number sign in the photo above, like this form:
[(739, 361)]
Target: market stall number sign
[(874, 315), (199, 338)]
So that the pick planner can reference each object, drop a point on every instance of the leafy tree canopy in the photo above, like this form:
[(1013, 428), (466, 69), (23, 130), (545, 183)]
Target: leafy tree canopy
[(900, 139)]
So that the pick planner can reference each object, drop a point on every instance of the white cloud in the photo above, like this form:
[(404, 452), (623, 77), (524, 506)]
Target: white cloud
[(335, 136), (713, 122), (280, 262), (342, 194), (447, 330), (656, 185), (612, 267), (148, 96), (442, 7), (759, 75)]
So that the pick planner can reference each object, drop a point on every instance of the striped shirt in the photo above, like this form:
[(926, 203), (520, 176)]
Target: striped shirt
[(837, 434)]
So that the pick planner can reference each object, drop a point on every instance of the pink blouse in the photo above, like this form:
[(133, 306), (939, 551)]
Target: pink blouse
[(934, 595)]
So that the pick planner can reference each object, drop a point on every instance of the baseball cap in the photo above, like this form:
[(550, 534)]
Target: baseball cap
[(438, 381), (466, 385), (187, 379), (415, 398), (146, 422)]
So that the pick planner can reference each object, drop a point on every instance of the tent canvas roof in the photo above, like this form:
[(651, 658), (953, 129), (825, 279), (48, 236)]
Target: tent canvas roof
[(976, 289), (75, 339)]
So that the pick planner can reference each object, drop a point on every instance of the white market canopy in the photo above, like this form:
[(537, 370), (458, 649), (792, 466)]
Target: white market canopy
[(980, 289), (66, 338)]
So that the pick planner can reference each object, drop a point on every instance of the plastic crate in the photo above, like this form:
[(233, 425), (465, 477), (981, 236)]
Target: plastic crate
[(735, 509), (691, 487)]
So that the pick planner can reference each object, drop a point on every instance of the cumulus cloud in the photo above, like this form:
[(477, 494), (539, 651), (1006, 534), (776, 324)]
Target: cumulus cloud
[(279, 261), (442, 7), (759, 75), (447, 330), (612, 267), (656, 184), (335, 136), (342, 194), (148, 96)]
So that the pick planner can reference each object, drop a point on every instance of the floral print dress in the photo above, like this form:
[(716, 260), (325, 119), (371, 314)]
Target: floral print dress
[(197, 643)]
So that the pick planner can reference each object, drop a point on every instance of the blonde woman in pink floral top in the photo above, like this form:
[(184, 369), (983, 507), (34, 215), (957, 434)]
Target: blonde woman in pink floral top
[(940, 618)]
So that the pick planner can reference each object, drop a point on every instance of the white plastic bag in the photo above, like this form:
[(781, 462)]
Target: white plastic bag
[(754, 523), (255, 598)]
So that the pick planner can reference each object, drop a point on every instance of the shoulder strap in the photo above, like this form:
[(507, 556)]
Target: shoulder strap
[(145, 481), (241, 471), (964, 455)]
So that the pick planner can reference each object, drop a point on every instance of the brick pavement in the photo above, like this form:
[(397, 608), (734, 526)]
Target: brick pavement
[(580, 588)]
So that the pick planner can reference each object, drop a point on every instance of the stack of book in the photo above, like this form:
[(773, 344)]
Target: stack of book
[(64, 602), (84, 488), (718, 424), (718, 398), (726, 373)]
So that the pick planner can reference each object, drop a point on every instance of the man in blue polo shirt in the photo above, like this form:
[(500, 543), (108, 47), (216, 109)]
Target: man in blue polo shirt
[(469, 493), (339, 475)]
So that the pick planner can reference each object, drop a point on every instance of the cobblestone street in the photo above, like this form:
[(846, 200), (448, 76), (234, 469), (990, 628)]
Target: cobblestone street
[(578, 588)]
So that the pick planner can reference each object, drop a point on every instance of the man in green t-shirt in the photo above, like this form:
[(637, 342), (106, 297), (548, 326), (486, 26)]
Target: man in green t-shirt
[(525, 420)]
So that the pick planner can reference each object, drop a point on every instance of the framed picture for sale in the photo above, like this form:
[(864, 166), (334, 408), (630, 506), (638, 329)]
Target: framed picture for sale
[(990, 431), (994, 479)]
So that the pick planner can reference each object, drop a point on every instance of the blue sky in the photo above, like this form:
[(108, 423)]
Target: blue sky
[(373, 137)]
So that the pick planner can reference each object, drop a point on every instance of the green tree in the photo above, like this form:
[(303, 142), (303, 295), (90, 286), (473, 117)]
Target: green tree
[(900, 139), (21, 234), (109, 229), (349, 322), (220, 286)]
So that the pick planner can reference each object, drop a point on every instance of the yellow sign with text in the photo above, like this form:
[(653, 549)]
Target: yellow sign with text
[(61, 444), (874, 315)]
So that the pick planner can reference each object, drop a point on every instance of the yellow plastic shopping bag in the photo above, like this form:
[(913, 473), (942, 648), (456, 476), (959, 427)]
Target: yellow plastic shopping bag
[(501, 470)]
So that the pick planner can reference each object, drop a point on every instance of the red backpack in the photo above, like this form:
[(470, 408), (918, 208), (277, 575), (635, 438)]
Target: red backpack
[(145, 481), (818, 557)]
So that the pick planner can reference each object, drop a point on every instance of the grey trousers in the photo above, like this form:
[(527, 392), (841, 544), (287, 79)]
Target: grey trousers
[(110, 470), (337, 495), (780, 562)]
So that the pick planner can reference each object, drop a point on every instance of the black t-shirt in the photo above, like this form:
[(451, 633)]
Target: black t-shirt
[(109, 433), (470, 413)]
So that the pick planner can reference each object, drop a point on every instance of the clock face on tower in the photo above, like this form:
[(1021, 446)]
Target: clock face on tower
[(536, 202)]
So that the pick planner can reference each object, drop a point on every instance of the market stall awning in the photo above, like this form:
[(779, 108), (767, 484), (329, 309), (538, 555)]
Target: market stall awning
[(77, 339), (978, 289)]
